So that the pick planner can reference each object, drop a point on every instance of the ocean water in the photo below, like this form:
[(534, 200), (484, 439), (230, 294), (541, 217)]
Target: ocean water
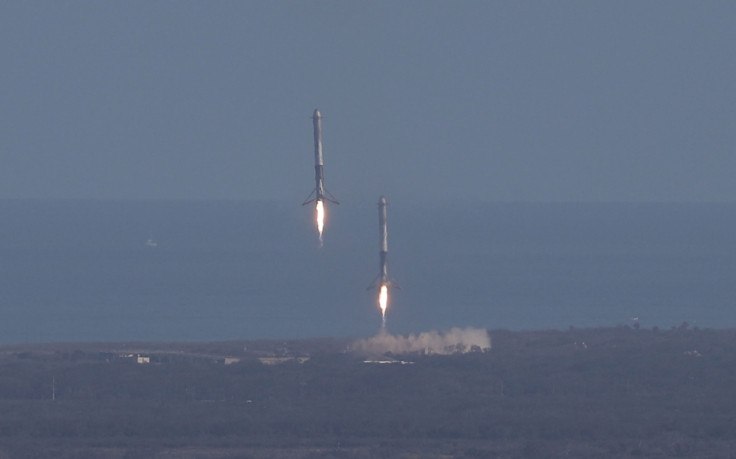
[(81, 270)]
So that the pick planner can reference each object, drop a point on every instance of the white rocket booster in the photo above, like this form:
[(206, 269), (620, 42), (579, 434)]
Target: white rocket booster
[(382, 278), (319, 193)]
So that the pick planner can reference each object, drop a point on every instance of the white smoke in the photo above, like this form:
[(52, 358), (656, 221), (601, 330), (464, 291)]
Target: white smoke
[(456, 340)]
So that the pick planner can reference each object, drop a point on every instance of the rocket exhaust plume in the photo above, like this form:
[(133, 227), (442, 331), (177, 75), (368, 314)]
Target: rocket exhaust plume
[(320, 210), (382, 281), (383, 304), (320, 193)]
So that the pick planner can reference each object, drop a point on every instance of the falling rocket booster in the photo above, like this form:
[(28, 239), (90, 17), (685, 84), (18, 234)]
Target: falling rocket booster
[(319, 193), (382, 279)]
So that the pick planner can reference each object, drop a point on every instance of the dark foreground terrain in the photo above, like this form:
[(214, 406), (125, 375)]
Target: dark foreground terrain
[(613, 392)]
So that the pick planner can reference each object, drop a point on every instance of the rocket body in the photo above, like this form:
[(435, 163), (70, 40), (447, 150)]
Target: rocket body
[(383, 278), (383, 241), (317, 124), (319, 161), (319, 193)]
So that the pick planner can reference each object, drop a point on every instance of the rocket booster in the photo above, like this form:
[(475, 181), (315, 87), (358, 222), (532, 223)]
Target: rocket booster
[(319, 193), (382, 278), (383, 240)]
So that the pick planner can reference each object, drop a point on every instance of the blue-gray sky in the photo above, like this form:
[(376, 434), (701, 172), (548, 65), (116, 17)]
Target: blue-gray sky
[(430, 100)]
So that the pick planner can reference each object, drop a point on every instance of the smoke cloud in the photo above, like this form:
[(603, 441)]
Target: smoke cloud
[(456, 340)]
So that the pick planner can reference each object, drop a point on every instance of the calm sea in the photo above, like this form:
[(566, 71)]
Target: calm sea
[(86, 271)]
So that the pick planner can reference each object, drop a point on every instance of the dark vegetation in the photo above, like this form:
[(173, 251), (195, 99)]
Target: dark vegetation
[(613, 392)]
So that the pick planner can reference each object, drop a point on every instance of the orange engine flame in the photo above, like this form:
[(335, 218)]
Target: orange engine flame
[(383, 300), (320, 208)]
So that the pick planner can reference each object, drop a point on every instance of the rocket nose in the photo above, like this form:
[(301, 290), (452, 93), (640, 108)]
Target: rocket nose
[(316, 114), (382, 201)]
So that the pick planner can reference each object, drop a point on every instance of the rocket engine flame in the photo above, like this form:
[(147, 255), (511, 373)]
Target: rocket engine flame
[(320, 208), (383, 302)]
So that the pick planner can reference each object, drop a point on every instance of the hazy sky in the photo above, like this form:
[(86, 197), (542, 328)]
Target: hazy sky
[(430, 100)]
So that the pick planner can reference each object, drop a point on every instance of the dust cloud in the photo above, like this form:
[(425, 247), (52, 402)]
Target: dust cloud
[(454, 341)]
